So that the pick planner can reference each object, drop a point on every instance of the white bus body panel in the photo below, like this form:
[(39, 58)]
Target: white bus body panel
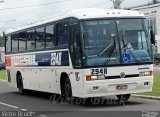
[(48, 80), (108, 86), (43, 78)]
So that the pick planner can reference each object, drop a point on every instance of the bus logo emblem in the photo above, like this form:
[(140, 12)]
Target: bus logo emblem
[(122, 75), (77, 77)]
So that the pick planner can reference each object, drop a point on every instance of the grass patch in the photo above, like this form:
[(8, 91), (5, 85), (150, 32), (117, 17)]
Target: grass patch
[(156, 87), (3, 75)]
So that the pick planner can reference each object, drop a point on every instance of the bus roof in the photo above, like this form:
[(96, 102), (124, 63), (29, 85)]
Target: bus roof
[(87, 13)]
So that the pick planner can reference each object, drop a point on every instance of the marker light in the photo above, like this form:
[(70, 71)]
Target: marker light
[(88, 78), (100, 77)]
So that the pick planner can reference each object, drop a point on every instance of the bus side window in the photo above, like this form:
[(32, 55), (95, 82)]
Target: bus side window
[(30, 40), (40, 38), (8, 44), (75, 46), (14, 42), (22, 41), (62, 33), (50, 36)]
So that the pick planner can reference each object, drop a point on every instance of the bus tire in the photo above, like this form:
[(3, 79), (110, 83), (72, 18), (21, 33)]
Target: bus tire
[(124, 97), (67, 89), (21, 89)]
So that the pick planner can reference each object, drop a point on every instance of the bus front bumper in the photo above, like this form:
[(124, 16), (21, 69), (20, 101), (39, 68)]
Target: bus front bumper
[(100, 88)]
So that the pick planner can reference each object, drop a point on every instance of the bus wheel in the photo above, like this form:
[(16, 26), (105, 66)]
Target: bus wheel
[(67, 89), (123, 97), (20, 85)]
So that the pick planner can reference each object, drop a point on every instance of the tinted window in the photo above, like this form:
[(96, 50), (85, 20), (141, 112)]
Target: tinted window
[(75, 46), (40, 38), (8, 44), (14, 42), (134, 40), (100, 43), (62, 33), (22, 41), (30, 40), (50, 36)]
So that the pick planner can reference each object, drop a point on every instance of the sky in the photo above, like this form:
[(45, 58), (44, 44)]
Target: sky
[(16, 13)]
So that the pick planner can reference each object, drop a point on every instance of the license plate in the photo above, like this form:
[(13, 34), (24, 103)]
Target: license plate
[(121, 87)]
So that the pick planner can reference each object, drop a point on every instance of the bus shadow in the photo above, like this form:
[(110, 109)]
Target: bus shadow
[(117, 104), (107, 102), (35, 94), (92, 102), (89, 102)]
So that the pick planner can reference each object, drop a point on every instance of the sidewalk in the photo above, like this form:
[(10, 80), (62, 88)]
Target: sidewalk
[(3, 80)]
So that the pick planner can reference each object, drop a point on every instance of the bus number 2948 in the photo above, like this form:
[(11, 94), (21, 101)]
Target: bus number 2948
[(99, 71)]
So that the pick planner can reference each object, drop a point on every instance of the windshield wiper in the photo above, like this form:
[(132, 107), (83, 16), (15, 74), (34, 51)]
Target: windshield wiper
[(110, 48)]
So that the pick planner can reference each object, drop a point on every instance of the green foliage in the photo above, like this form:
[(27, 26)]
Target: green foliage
[(156, 86), (3, 75)]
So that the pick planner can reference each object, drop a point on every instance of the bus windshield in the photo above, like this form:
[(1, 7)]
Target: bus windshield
[(116, 41)]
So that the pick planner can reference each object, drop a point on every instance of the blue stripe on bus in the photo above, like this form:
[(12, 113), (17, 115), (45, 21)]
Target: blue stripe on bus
[(53, 59)]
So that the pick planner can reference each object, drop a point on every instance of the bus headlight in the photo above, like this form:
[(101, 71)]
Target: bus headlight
[(146, 73), (98, 77), (101, 77)]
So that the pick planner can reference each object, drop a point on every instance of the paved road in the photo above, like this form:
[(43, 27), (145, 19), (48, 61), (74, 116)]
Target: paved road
[(41, 105)]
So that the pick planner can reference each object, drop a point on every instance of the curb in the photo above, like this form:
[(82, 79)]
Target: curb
[(147, 97), (3, 80)]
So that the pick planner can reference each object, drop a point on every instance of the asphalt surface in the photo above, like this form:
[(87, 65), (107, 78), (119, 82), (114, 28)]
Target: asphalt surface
[(46, 105)]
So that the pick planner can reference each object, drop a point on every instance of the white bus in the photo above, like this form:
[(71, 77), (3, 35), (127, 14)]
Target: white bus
[(83, 53)]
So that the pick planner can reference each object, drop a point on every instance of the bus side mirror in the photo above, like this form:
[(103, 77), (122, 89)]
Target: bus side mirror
[(152, 36)]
